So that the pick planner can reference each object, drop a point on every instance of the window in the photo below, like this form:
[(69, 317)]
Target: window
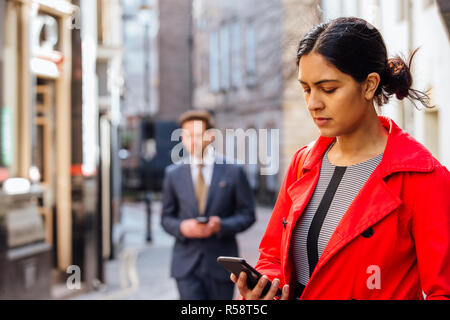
[(214, 61), (432, 131), (403, 9), (6, 139), (350, 8), (250, 53), (331, 9), (370, 11), (236, 68), (432, 126), (224, 57), (428, 3)]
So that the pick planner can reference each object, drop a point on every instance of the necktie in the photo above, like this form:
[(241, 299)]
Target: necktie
[(201, 191)]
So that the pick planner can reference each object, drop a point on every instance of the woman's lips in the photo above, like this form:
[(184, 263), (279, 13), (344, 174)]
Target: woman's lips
[(322, 121)]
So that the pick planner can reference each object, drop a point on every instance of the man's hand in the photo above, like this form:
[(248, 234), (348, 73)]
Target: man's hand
[(191, 228), (214, 224)]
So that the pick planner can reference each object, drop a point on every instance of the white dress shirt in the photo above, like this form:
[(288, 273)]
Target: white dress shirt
[(208, 166)]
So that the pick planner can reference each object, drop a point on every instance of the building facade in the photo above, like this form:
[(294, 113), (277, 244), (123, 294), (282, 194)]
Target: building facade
[(38, 53), (60, 108), (174, 58)]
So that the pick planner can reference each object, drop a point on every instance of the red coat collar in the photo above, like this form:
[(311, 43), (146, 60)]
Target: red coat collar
[(402, 153)]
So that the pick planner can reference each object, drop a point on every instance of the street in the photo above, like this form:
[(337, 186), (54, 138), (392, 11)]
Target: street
[(141, 270)]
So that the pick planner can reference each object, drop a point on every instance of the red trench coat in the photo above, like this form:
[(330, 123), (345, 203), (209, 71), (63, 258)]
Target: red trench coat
[(405, 202)]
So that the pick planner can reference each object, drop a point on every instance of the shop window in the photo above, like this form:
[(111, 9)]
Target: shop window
[(8, 88), (102, 73), (44, 148), (6, 148)]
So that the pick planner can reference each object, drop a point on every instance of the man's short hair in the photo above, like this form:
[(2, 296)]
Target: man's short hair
[(201, 115)]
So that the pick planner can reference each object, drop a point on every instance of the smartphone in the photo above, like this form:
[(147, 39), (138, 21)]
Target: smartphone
[(237, 265), (202, 219)]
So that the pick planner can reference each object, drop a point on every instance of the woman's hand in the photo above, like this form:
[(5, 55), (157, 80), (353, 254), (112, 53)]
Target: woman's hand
[(255, 294)]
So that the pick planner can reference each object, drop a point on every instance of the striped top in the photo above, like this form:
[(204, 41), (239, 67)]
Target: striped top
[(333, 195)]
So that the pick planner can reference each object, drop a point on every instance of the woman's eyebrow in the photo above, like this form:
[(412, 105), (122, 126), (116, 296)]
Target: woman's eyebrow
[(318, 82)]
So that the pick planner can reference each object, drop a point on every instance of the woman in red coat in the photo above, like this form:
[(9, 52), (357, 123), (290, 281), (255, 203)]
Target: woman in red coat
[(364, 213)]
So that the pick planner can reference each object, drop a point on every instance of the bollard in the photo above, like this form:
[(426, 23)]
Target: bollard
[(148, 205)]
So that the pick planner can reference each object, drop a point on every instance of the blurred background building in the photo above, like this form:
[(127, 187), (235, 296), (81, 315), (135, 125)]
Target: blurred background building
[(61, 88), (244, 72), (91, 90), (157, 88)]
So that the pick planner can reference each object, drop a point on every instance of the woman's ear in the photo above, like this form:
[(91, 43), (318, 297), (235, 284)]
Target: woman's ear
[(371, 85)]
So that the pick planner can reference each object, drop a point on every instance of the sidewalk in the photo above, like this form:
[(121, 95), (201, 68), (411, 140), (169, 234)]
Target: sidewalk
[(141, 271)]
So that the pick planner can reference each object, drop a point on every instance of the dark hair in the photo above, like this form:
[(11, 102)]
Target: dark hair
[(356, 48), (202, 115)]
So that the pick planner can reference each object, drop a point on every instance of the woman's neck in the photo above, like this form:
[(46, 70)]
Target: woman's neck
[(364, 143)]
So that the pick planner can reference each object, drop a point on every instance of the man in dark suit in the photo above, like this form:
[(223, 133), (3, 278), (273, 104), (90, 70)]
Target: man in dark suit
[(205, 188)]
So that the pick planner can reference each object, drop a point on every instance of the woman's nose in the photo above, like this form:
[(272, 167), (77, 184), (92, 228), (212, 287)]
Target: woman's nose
[(314, 102)]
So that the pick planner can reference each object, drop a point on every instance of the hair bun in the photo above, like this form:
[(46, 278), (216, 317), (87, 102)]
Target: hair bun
[(398, 78)]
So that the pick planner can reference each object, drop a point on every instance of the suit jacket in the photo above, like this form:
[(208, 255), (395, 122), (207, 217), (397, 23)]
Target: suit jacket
[(229, 197)]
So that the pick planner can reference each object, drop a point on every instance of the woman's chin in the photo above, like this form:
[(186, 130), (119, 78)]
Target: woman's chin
[(327, 133)]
